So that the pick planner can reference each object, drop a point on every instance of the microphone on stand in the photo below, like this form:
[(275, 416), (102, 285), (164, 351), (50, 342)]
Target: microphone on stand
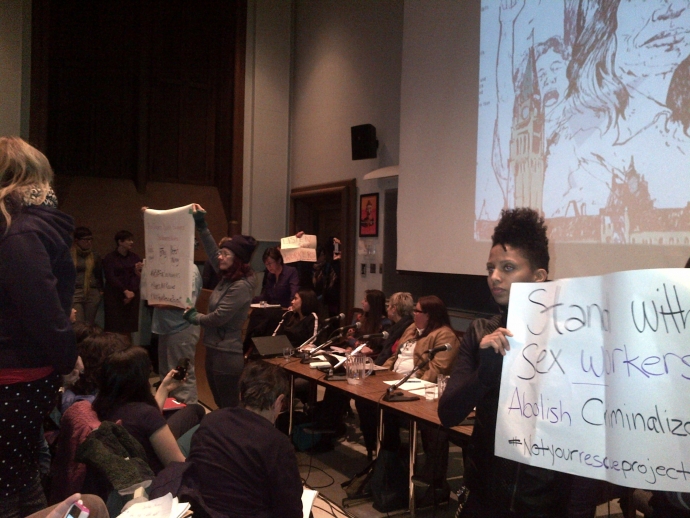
[(383, 335), (282, 319), (356, 325), (438, 349), (393, 396), (334, 318)]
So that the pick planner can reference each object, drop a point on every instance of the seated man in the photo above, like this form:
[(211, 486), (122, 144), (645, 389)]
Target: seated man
[(501, 488), (244, 466)]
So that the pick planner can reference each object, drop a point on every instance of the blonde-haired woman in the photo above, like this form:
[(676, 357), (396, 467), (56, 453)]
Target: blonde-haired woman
[(36, 340)]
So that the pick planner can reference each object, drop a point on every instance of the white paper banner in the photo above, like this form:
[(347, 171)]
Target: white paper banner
[(169, 237), (597, 380), (294, 248)]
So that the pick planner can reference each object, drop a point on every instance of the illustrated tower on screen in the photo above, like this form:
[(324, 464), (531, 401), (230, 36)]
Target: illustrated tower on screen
[(527, 161)]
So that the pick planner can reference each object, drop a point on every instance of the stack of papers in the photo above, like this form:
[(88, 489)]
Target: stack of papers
[(163, 507)]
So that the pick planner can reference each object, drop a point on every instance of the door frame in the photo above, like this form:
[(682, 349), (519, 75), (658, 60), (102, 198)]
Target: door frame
[(347, 190)]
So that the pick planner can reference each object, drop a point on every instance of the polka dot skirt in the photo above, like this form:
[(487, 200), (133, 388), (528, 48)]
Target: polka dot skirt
[(22, 409)]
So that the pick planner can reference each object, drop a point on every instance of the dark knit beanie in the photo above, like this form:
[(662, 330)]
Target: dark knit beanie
[(242, 246)]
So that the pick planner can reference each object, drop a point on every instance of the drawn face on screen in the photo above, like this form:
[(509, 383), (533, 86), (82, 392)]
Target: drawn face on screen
[(553, 82), (505, 267), (653, 38)]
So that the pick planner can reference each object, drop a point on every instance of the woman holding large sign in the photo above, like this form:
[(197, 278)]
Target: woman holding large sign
[(228, 308)]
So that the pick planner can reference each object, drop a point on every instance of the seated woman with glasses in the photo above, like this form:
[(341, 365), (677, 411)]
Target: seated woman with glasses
[(431, 328)]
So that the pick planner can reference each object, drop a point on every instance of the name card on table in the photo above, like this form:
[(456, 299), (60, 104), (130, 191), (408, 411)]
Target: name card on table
[(597, 379), (167, 273)]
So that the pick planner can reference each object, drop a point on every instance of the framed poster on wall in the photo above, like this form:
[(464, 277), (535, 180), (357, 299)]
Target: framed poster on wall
[(369, 215)]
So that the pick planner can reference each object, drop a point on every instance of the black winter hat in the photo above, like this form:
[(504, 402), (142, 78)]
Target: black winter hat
[(242, 246)]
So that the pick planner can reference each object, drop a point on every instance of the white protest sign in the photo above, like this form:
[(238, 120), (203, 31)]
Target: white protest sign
[(294, 248), (597, 380), (169, 237)]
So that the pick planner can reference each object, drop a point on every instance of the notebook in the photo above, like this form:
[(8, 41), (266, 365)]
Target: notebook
[(270, 346)]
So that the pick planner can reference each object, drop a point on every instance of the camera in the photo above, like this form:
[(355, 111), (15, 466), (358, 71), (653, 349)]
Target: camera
[(182, 368)]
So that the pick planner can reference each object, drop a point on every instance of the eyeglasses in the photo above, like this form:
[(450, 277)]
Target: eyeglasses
[(415, 310), (225, 253)]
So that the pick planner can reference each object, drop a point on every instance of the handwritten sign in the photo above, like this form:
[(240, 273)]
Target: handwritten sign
[(169, 237), (597, 380), (294, 248)]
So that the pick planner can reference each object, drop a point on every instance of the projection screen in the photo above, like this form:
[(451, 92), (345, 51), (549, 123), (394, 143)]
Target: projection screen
[(577, 108)]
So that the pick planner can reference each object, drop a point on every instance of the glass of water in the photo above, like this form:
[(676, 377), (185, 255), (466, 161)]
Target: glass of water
[(287, 352)]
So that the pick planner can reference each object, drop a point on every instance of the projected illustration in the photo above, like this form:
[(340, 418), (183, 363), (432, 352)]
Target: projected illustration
[(584, 114)]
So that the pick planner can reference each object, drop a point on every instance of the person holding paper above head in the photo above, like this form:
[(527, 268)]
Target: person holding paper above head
[(228, 307), (501, 488)]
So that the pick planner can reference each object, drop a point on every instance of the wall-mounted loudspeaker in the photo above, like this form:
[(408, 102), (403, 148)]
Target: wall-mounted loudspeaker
[(364, 143)]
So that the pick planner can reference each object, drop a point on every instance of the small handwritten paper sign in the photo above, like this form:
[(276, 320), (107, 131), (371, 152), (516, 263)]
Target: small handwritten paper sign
[(294, 248), (169, 237), (597, 380)]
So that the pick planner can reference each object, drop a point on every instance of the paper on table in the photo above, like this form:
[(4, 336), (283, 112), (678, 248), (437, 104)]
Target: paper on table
[(163, 507), (308, 497), (258, 305)]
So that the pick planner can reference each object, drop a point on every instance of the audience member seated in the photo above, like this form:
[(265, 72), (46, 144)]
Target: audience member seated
[(89, 283), (68, 475), (499, 487), (431, 328), (245, 467), (124, 394), (93, 351)]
